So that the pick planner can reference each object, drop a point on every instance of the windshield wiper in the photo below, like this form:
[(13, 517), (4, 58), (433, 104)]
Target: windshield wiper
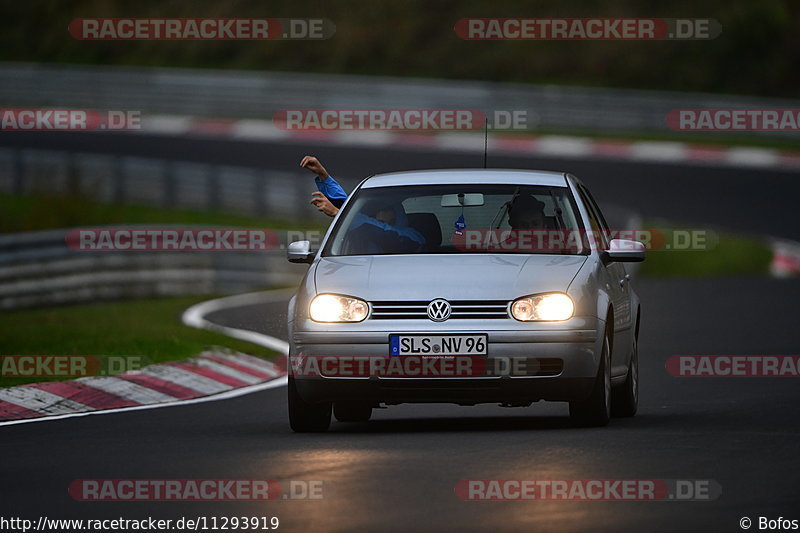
[(558, 211), (504, 210)]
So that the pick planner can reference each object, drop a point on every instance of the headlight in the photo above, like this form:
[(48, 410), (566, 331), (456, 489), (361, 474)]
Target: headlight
[(335, 308), (549, 307)]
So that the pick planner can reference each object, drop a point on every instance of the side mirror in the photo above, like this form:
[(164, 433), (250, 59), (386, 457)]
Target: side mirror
[(623, 251), (300, 252)]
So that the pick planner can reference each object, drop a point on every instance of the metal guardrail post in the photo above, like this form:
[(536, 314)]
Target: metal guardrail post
[(212, 188), (260, 192), (170, 195), (19, 172), (73, 181), (118, 180)]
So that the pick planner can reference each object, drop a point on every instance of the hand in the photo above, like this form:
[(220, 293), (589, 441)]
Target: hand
[(321, 202), (312, 163)]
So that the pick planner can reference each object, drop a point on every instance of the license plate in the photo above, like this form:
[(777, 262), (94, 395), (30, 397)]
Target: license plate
[(456, 344)]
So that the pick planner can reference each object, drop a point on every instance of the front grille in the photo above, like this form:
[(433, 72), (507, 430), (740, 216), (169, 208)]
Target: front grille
[(469, 309)]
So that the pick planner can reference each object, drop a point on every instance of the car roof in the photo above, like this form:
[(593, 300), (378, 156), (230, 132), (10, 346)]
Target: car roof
[(467, 176)]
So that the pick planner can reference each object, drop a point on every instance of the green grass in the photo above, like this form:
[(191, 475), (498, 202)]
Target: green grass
[(727, 254), (149, 328), (40, 211)]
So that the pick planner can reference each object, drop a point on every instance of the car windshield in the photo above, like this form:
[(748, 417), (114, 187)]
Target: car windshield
[(451, 219)]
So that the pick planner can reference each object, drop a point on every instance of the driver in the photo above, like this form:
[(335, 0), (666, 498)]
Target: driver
[(526, 212), (526, 217)]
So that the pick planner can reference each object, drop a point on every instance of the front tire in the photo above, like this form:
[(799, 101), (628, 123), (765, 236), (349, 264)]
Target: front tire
[(595, 411), (306, 417), (625, 398)]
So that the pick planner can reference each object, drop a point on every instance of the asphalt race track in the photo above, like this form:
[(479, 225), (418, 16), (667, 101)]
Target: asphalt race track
[(398, 472)]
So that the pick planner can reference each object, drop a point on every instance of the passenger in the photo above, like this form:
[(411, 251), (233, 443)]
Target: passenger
[(379, 227), (330, 196)]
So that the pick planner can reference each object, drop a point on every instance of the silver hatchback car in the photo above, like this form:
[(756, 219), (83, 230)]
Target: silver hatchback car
[(464, 286)]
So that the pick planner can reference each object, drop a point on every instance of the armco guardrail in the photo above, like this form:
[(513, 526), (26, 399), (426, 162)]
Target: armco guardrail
[(158, 182), (248, 94), (39, 269)]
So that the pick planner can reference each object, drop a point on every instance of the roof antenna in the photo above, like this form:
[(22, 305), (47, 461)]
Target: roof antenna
[(486, 142)]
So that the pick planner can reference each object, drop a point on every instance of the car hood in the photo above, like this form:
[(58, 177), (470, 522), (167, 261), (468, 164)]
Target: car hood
[(453, 277)]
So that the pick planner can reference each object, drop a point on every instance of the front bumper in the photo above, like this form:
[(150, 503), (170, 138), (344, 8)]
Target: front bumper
[(572, 348), (515, 391)]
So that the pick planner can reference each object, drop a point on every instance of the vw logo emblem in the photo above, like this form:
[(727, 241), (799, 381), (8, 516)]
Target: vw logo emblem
[(439, 310)]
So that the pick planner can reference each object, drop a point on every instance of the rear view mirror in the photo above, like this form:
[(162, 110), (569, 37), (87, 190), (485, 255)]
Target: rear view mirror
[(471, 199), (300, 252), (624, 251)]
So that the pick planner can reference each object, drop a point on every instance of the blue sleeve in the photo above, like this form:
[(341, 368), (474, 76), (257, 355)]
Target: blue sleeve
[(404, 233), (332, 190)]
